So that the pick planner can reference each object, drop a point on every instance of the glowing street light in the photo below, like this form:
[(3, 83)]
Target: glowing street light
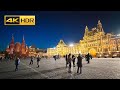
[(71, 45), (118, 35)]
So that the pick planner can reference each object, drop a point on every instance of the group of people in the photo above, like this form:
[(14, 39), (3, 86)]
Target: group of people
[(17, 62), (32, 59), (71, 58), (56, 57)]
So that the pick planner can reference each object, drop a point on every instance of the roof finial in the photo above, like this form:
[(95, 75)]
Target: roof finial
[(12, 36), (99, 21), (12, 39), (86, 28), (23, 36)]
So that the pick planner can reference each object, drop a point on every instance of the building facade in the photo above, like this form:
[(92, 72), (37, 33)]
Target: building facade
[(95, 41), (17, 49), (22, 50), (33, 51)]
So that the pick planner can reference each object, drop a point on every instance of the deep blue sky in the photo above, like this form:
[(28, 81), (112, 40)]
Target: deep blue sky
[(51, 26)]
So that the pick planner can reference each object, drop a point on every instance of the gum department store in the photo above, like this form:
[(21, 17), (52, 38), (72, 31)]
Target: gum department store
[(95, 41)]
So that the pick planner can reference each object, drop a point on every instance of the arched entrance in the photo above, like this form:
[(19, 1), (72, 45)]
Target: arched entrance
[(93, 52)]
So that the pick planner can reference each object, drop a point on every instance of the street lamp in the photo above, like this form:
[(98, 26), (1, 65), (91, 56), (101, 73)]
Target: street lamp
[(71, 45), (118, 35)]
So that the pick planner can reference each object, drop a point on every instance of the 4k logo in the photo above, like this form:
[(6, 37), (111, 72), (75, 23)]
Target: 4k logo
[(12, 20), (19, 20)]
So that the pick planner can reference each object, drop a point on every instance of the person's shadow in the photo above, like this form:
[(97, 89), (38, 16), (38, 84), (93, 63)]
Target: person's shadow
[(11, 71)]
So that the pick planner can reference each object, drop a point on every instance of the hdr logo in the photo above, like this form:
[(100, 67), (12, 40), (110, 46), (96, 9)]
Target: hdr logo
[(19, 20)]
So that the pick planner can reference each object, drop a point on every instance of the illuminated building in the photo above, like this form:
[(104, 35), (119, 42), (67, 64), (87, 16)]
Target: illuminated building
[(22, 50), (95, 41), (18, 49), (33, 51)]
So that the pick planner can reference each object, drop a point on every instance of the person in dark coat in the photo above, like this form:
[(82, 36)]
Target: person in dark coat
[(69, 62), (38, 60), (79, 63), (17, 62), (31, 61), (66, 58), (88, 57), (55, 57), (73, 59), (1, 59)]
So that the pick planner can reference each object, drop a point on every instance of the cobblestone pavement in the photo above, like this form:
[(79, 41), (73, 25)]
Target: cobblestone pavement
[(99, 68)]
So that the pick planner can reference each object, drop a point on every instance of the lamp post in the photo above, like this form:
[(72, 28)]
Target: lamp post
[(71, 45)]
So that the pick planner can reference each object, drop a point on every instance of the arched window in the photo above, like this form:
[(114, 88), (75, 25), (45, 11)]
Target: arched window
[(113, 49), (111, 42), (119, 48), (118, 41), (114, 42)]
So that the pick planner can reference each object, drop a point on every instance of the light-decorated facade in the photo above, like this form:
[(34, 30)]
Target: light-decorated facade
[(95, 41), (18, 49), (22, 50)]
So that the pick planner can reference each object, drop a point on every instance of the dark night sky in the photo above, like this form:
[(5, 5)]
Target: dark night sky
[(51, 26)]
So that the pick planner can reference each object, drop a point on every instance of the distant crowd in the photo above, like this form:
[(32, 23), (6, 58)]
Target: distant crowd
[(69, 58)]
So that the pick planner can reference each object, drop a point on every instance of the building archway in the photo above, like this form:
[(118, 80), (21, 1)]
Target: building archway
[(93, 52)]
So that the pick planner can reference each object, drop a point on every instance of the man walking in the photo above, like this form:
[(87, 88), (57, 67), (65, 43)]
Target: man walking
[(88, 56), (79, 63), (66, 58), (0, 59), (69, 62), (55, 57), (17, 62), (31, 61), (73, 59), (38, 60)]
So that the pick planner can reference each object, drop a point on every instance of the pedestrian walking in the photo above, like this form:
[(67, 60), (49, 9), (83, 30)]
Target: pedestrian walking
[(38, 60), (17, 62), (55, 57), (73, 60), (66, 58), (0, 59), (69, 62), (88, 57), (79, 63), (31, 61)]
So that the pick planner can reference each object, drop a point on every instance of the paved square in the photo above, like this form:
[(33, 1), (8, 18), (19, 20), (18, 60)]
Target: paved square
[(99, 68)]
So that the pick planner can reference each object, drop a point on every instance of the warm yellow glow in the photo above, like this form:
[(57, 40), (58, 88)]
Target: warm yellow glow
[(95, 41), (92, 52)]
